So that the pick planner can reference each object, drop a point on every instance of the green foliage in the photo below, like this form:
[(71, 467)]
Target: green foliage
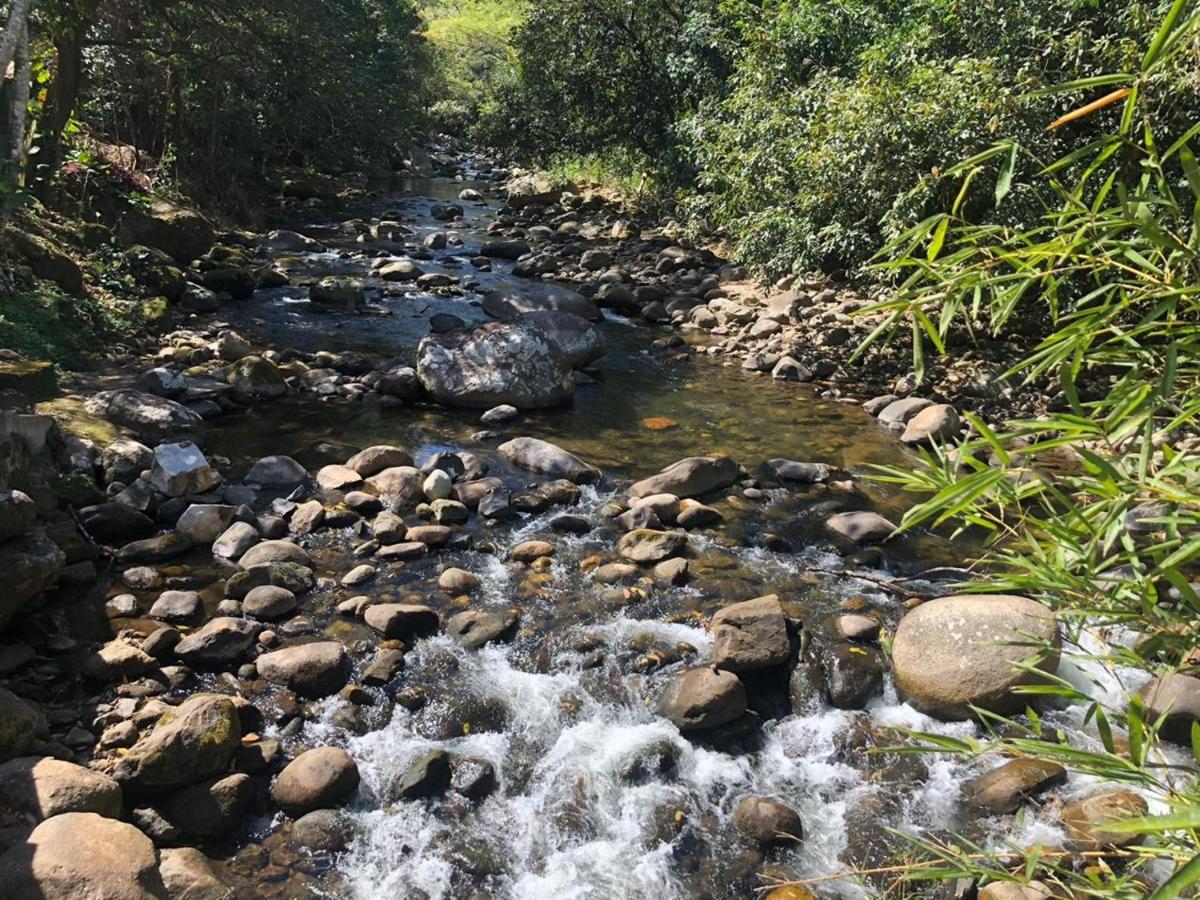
[(1095, 509), (474, 58), (228, 90)]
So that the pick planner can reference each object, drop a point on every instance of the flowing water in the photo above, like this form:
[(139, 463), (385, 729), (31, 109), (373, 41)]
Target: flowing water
[(598, 796)]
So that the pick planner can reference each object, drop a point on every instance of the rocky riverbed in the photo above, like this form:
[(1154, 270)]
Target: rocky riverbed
[(436, 553)]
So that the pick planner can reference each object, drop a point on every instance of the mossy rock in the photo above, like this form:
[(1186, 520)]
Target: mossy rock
[(155, 272), (32, 380), (235, 281), (181, 232), (155, 312), (46, 260)]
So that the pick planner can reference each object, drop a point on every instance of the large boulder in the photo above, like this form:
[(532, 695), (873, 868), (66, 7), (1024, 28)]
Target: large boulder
[(548, 459), (533, 189), (182, 233), (192, 742), (336, 292), (690, 477), (46, 260), (143, 413), (44, 786), (496, 363), (954, 653), (31, 564), (82, 856), (311, 670), (703, 699), (509, 303), (580, 341), (750, 635), (316, 779)]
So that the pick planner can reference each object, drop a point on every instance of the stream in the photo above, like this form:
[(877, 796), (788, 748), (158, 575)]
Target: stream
[(596, 794)]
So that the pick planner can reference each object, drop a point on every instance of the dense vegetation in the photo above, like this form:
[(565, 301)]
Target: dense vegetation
[(219, 95), (807, 131)]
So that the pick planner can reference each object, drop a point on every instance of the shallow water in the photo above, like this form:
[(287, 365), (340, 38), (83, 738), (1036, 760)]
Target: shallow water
[(599, 797)]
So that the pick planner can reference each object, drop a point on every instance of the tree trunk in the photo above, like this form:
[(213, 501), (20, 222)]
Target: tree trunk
[(61, 100), (23, 66), (18, 19)]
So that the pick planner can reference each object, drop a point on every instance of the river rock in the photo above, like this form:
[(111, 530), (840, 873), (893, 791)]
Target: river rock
[(1085, 819), (458, 581), (316, 779), (750, 635), (496, 363), (276, 471), (437, 485), (473, 628), (690, 477), (898, 412), (311, 670), (504, 249), (498, 415), (766, 821), (188, 875), (203, 523), (111, 523), (580, 341), (956, 652), (798, 472), (428, 776), (1178, 698), (181, 469), (21, 724), (177, 606), (374, 460), (18, 514), (268, 602), (648, 546), (220, 644), (117, 660), (509, 303), (853, 675), (473, 778), (268, 552), (32, 564), (210, 809), (82, 856), (143, 413), (307, 517), (282, 241), (42, 787), (860, 527), (194, 741), (548, 459), (338, 292), (1006, 787), (401, 620), (235, 540), (124, 460), (154, 550), (703, 698), (398, 487), (322, 831), (337, 478), (934, 423), (255, 378), (528, 551)]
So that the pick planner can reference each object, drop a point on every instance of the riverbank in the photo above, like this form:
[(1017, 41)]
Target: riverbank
[(390, 569)]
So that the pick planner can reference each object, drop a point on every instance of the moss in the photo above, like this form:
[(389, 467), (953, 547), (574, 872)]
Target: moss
[(42, 322)]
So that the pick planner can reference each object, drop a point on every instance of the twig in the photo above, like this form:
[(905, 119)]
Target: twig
[(888, 584)]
